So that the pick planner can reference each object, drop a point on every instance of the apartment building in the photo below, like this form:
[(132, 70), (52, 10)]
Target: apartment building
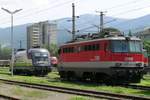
[(145, 34), (42, 33)]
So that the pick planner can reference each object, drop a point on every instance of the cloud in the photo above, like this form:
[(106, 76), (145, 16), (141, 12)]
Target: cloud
[(37, 10), (6, 2), (40, 2), (25, 4)]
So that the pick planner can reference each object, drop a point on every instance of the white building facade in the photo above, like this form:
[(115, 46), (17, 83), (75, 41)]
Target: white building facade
[(145, 34), (40, 34)]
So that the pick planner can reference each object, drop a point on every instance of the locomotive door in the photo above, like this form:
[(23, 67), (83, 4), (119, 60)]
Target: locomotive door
[(107, 52)]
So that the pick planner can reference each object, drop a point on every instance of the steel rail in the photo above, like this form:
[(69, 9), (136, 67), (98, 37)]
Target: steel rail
[(137, 87), (8, 97), (90, 93)]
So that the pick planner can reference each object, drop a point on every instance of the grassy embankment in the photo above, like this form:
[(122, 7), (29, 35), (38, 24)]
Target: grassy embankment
[(53, 79)]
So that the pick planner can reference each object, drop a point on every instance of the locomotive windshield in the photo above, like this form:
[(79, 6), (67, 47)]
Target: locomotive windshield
[(126, 46), (40, 58)]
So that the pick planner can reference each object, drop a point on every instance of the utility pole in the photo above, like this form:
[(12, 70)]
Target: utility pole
[(12, 38), (73, 21), (49, 41), (20, 43), (130, 33), (101, 21)]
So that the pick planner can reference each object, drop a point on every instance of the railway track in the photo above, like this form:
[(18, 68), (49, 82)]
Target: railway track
[(90, 93), (5, 97), (4, 63), (137, 87)]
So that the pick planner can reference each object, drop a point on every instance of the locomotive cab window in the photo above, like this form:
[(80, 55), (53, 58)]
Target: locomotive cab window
[(119, 46), (135, 46), (125, 46)]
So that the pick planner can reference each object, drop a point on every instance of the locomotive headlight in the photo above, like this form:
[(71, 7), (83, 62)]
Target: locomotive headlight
[(128, 59), (117, 64), (139, 64)]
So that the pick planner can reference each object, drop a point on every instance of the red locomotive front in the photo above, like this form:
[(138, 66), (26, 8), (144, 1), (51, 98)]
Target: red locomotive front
[(107, 59)]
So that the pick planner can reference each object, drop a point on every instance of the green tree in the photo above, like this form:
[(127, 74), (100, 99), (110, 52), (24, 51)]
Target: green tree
[(53, 49), (5, 53), (147, 47)]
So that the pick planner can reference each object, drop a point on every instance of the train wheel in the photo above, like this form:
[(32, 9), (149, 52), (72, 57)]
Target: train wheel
[(36, 73), (14, 72), (70, 75), (87, 76), (108, 80), (93, 77), (30, 73), (62, 74)]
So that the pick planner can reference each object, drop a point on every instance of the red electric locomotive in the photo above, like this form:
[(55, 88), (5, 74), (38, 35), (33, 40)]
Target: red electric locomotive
[(113, 59)]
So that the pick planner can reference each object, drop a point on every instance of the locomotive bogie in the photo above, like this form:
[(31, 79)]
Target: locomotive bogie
[(32, 70), (113, 75)]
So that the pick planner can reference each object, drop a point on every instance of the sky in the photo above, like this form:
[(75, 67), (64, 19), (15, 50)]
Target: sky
[(41, 10)]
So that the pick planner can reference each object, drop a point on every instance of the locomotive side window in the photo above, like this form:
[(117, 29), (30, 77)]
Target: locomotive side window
[(59, 51), (63, 50), (97, 47), (86, 48), (68, 50), (91, 47)]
